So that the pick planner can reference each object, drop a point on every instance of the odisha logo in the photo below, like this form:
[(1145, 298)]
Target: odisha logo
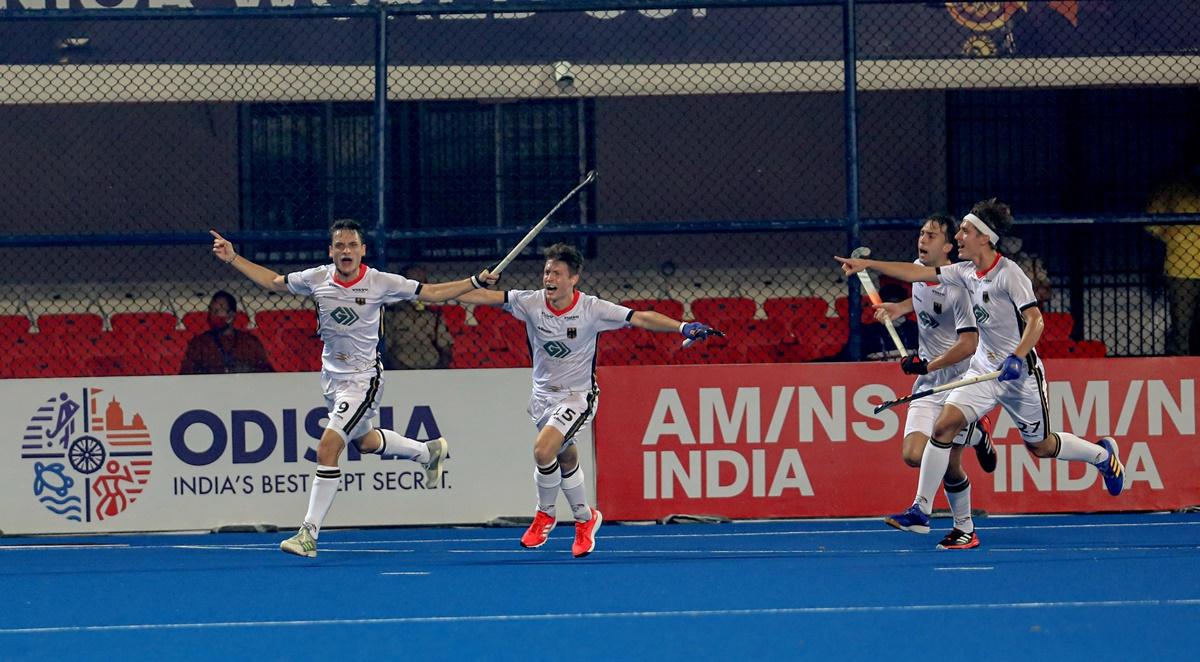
[(87, 465)]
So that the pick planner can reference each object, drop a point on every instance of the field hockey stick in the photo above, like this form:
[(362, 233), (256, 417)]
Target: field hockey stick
[(512, 255), (988, 376), (869, 287)]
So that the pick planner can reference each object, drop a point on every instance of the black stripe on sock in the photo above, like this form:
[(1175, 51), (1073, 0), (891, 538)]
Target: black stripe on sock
[(336, 473), (571, 472), (550, 469), (1057, 444), (954, 489), (941, 444)]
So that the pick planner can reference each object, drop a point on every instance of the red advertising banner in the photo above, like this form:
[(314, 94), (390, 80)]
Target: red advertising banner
[(750, 441)]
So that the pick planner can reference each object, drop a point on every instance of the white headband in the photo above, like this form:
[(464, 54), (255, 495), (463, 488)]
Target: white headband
[(982, 227)]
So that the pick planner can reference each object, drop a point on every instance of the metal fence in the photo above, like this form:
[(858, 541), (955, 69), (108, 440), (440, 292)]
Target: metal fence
[(739, 146)]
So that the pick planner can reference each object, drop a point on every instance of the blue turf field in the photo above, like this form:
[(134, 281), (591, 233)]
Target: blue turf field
[(1091, 587)]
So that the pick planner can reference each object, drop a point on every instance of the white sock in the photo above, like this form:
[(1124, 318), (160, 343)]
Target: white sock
[(959, 496), (396, 445), (548, 481), (934, 462), (573, 489), (320, 497), (1073, 448)]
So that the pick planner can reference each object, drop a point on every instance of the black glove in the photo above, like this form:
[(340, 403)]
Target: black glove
[(914, 365), (479, 284)]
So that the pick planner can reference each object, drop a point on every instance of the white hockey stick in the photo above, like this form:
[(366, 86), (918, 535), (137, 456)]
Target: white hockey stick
[(987, 376), (869, 287), (512, 255)]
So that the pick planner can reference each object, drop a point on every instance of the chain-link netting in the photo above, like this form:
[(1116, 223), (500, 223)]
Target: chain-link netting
[(719, 135)]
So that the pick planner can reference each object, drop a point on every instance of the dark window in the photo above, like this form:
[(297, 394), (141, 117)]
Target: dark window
[(1067, 152), (453, 164)]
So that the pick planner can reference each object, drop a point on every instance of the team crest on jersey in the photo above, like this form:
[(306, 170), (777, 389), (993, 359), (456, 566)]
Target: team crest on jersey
[(981, 314), (360, 301), (343, 315), (937, 308), (986, 297), (557, 349), (572, 332)]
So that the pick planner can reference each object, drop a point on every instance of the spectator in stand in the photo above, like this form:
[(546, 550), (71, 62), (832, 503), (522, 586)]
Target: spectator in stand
[(224, 349), (414, 336), (1181, 195)]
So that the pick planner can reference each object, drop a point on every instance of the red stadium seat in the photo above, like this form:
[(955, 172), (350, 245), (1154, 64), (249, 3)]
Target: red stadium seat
[(790, 309), (819, 339), (197, 321), (89, 324), (151, 324), (297, 349), (486, 315), (1090, 349), (1057, 325), (724, 311), (629, 355), (52, 355), (669, 307), (841, 306), (14, 325), (760, 339), (272, 322), (453, 315), (1065, 348)]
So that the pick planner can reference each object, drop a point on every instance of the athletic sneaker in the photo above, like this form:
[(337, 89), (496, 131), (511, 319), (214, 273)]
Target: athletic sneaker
[(438, 449), (959, 540), (301, 544), (985, 452), (585, 535), (910, 520), (1111, 470), (538, 532)]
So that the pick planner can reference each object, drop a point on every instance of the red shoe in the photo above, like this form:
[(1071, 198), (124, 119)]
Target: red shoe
[(985, 452), (585, 535), (538, 532), (959, 540)]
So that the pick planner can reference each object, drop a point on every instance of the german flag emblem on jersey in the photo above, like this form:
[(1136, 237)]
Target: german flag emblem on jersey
[(571, 332), (937, 308), (360, 301)]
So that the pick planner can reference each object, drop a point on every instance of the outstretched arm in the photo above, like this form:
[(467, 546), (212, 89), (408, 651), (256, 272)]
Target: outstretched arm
[(691, 331), (264, 277), (439, 292), (652, 321), (485, 297), (906, 271)]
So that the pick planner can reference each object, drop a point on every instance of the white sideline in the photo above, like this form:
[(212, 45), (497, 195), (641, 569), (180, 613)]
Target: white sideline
[(483, 618)]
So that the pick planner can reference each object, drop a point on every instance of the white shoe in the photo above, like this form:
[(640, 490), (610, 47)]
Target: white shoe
[(438, 450), (301, 544)]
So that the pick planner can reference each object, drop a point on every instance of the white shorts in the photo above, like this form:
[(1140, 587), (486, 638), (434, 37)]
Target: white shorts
[(1024, 399), (567, 412), (352, 401), (923, 413)]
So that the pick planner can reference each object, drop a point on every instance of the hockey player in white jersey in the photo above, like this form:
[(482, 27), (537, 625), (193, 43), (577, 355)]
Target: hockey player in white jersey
[(948, 337), (561, 326), (1010, 325), (349, 297)]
